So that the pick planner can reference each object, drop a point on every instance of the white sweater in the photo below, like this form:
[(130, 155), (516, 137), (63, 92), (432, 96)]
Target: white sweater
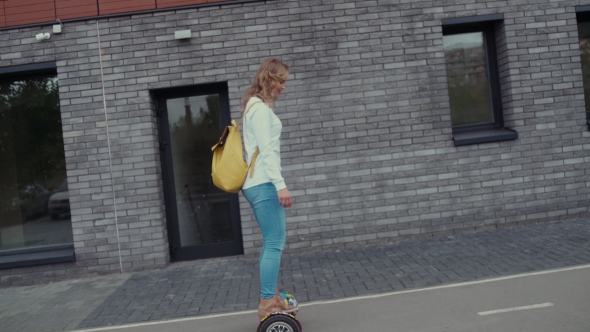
[(262, 129)]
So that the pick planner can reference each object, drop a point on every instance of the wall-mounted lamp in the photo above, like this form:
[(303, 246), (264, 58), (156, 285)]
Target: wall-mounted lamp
[(42, 36), (182, 34)]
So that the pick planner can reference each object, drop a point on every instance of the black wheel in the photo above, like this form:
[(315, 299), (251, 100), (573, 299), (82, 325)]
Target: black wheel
[(54, 216), (280, 323)]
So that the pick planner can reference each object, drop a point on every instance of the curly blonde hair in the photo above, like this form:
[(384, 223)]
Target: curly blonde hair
[(270, 71)]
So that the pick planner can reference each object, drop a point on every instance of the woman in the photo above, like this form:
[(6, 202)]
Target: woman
[(266, 190)]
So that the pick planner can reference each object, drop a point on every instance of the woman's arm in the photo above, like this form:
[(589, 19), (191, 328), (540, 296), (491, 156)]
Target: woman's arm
[(261, 121)]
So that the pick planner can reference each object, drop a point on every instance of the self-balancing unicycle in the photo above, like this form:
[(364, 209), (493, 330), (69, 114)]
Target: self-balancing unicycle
[(282, 321)]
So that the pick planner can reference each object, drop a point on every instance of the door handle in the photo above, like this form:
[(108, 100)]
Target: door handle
[(163, 144)]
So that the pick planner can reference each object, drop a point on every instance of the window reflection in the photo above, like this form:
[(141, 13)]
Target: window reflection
[(584, 37), (33, 165), (203, 210), (469, 88)]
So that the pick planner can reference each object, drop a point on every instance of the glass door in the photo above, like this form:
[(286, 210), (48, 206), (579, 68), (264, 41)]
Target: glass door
[(203, 221)]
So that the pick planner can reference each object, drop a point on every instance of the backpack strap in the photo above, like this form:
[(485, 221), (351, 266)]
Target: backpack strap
[(257, 152), (244, 115)]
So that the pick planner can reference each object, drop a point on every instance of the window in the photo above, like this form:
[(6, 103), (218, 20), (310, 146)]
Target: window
[(34, 197), (584, 39), (473, 81)]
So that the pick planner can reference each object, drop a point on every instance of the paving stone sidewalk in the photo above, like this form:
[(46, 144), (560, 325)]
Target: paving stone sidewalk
[(59, 306), (231, 284)]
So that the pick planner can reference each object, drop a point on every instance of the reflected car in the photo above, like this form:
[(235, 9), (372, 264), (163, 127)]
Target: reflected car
[(59, 202), (32, 200)]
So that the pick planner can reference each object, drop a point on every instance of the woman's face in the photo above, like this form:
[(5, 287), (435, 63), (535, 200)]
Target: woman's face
[(279, 87)]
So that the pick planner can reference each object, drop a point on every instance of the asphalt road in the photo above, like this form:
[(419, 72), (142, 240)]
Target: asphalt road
[(546, 301)]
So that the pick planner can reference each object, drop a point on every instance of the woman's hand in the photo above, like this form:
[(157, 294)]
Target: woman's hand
[(285, 198)]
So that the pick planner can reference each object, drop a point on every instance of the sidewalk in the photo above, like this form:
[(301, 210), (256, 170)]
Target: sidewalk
[(231, 284)]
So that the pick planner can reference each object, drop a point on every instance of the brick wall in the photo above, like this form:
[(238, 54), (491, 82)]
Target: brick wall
[(367, 145)]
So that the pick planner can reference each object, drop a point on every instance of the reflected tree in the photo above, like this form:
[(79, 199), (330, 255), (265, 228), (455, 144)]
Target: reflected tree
[(32, 108), (193, 137), (585, 60), (32, 158), (469, 90)]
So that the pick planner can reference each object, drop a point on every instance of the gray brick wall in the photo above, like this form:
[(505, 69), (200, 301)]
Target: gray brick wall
[(367, 144)]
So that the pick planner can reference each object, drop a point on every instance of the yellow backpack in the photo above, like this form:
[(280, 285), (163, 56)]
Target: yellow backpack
[(229, 169)]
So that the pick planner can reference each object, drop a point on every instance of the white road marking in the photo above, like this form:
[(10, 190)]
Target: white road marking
[(526, 307), (342, 300)]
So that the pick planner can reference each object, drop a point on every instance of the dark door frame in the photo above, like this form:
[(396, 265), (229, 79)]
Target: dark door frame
[(178, 253)]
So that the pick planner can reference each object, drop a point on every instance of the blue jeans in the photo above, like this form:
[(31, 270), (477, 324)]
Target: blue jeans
[(272, 221)]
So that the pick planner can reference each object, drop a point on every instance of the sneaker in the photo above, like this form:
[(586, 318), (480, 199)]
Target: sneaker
[(268, 307), (287, 302)]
